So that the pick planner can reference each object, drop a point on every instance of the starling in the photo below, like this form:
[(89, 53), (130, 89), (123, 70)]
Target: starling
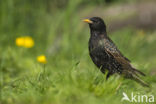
[(105, 54)]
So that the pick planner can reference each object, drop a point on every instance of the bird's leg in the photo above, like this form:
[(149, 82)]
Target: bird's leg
[(118, 86), (102, 69), (108, 75)]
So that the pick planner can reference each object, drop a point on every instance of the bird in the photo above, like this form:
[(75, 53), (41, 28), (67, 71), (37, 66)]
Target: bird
[(106, 55)]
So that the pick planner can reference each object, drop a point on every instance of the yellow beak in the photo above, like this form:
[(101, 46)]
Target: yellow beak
[(87, 21)]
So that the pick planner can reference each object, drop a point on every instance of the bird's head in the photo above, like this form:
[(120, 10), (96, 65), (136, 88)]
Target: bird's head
[(96, 24)]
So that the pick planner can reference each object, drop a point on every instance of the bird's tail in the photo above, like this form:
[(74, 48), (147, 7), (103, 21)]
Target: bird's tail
[(134, 75)]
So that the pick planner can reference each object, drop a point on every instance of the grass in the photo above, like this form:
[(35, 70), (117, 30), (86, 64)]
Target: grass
[(69, 76)]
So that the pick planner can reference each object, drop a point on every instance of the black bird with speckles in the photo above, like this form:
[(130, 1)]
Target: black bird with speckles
[(106, 55)]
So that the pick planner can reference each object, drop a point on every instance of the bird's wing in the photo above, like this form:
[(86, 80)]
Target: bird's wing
[(129, 71), (113, 50)]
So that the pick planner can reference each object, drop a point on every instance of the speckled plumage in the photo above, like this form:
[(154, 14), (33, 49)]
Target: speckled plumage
[(106, 55), (98, 47)]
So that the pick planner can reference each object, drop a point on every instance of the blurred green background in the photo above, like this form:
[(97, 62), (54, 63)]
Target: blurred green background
[(57, 29)]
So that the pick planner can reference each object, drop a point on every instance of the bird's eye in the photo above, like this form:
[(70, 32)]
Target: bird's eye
[(94, 21)]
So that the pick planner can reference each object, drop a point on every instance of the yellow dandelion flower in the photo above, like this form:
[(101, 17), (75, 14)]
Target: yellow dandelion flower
[(28, 42), (42, 59), (20, 41)]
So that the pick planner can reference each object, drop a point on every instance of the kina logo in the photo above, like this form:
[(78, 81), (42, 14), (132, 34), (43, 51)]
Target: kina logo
[(138, 98)]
